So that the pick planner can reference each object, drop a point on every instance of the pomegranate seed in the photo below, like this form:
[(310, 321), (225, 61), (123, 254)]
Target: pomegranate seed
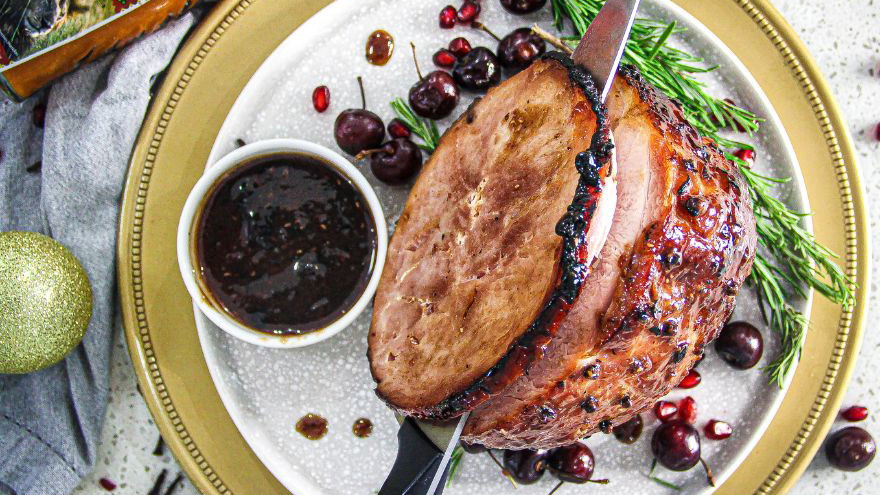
[(447, 17), (747, 156), (460, 47), (468, 12), (396, 128), (877, 132), (665, 410), (321, 98), (107, 484), (444, 58), (855, 413), (692, 379), (687, 410), (718, 430)]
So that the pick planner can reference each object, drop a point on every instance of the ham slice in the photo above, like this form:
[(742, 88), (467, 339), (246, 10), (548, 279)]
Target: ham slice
[(497, 235)]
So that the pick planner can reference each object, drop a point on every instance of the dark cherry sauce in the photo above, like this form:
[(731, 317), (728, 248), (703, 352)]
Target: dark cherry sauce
[(362, 428), (380, 46), (312, 426), (285, 244)]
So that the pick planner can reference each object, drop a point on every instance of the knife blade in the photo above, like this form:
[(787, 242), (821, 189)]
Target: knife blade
[(601, 48), (450, 446)]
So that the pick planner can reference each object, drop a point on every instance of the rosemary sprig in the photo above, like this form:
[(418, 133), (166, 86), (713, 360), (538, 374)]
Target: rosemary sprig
[(793, 258), (661, 481), (424, 129), (454, 464)]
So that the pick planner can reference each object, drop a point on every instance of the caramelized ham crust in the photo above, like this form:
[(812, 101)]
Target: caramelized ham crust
[(681, 244), (480, 270)]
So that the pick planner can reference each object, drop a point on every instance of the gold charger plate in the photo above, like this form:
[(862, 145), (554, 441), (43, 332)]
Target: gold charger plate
[(219, 59)]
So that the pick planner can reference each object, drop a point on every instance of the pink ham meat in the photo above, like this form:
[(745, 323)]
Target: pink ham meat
[(681, 244), (480, 270)]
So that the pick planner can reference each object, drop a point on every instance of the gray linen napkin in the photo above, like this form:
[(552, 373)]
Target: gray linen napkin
[(50, 421)]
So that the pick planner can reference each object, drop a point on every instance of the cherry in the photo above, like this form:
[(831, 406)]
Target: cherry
[(358, 129), (526, 466), (321, 98), (520, 7), (447, 17), (397, 129), (629, 431), (665, 410), (855, 413), (850, 449), (573, 463), (745, 155), (691, 380), (460, 46), (472, 448), (687, 410), (478, 70), (519, 49), (740, 345), (676, 445), (468, 12), (444, 58), (396, 161), (434, 96), (717, 430)]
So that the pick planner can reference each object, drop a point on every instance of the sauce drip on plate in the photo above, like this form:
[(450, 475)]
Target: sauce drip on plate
[(286, 243), (380, 46), (312, 426), (362, 428)]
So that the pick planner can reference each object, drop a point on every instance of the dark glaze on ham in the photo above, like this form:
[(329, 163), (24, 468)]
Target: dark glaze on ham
[(682, 242), (451, 325)]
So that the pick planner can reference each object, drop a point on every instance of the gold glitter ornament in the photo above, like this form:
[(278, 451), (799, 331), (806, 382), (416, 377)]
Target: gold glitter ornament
[(45, 302)]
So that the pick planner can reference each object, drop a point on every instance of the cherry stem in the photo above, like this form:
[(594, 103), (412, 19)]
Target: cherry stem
[(416, 61), (479, 25), (552, 39), (503, 470), (365, 153), (556, 487), (709, 477), (363, 95)]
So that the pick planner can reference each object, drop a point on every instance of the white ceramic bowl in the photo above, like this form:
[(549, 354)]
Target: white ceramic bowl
[(192, 210)]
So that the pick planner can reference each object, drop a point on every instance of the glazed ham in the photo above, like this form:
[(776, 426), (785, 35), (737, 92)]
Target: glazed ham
[(494, 242), (461, 323), (681, 244)]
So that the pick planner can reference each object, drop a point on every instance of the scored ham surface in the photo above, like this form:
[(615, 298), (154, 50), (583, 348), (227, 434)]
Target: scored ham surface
[(681, 244), (477, 278)]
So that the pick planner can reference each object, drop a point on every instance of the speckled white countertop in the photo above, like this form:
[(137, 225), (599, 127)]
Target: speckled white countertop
[(844, 38)]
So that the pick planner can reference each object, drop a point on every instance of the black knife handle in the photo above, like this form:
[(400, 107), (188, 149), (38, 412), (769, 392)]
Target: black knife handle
[(417, 461)]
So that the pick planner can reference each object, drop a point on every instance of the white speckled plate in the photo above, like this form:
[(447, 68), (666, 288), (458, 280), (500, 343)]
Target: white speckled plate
[(267, 390)]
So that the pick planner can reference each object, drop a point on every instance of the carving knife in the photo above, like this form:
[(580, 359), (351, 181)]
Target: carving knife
[(601, 48)]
